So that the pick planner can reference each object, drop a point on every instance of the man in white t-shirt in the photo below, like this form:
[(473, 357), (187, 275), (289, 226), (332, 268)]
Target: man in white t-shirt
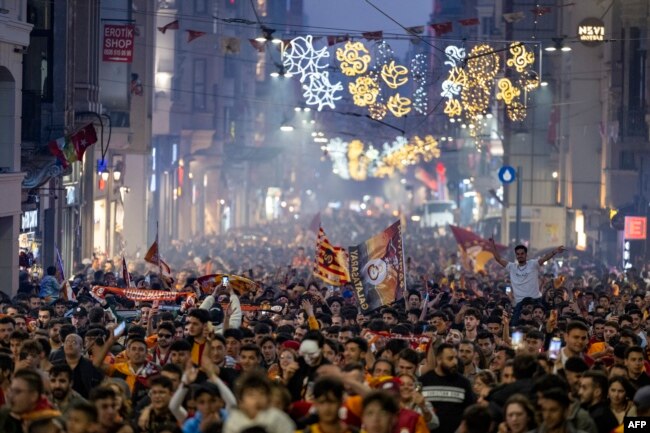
[(524, 273)]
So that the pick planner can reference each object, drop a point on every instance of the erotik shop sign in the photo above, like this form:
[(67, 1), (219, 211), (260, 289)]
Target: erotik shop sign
[(118, 43)]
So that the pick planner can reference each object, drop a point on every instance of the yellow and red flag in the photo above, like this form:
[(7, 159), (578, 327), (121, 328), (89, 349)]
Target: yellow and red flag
[(331, 263), (474, 249)]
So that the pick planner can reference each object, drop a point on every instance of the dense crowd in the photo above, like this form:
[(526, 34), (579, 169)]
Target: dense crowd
[(524, 346)]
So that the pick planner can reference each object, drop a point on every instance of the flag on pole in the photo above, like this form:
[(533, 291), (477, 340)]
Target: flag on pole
[(474, 249), (153, 257), (66, 291), (331, 263), (377, 269), (72, 147), (174, 25), (125, 273)]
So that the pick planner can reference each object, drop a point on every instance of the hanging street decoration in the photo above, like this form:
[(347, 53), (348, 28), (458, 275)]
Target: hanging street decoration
[(471, 81), (364, 91), (377, 111), (394, 75), (354, 58), (355, 160), (320, 91), (398, 105), (302, 59)]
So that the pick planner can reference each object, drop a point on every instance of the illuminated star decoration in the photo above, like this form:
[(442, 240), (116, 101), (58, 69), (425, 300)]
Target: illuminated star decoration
[(302, 59), (320, 91)]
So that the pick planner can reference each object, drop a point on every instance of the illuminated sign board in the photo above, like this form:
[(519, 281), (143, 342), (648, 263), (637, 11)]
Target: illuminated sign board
[(591, 32), (635, 227), (29, 221)]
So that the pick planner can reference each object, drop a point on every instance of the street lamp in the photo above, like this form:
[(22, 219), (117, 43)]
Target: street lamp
[(558, 45)]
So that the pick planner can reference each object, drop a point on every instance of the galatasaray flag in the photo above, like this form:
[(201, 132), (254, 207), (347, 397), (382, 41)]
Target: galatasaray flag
[(125, 273), (474, 249), (377, 269), (331, 263), (153, 257)]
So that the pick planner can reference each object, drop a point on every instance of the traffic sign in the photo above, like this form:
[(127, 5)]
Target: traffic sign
[(507, 174)]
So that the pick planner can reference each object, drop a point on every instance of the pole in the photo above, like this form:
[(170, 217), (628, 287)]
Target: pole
[(518, 208)]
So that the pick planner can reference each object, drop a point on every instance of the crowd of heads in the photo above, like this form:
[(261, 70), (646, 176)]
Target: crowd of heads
[(453, 353)]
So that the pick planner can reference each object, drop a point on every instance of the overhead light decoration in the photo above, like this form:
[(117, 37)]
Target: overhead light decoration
[(398, 105), (301, 58), (356, 161), (320, 91), (471, 81), (520, 58), (419, 72), (377, 111), (507, 92), (364, 91), (394, 75), (354, 58)]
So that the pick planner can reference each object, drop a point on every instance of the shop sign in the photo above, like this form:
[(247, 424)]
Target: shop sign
[(118, 43), (29, 221), (635, 228), (591, 31), (71, 195)]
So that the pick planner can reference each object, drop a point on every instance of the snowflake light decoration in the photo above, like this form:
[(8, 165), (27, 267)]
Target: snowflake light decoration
[(302, 59), (354, 58), (320, 91), (455, 55)]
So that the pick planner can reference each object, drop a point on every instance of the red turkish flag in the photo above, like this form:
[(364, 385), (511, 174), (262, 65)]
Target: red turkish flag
[(194, 34), (442, 28), (171, 26), (469, 22)]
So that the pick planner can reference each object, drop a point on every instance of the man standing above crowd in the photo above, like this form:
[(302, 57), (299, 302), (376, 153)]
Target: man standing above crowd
[(524, 273)]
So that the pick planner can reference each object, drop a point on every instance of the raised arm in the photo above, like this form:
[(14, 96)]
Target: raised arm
[(495, 252), (549, 256)]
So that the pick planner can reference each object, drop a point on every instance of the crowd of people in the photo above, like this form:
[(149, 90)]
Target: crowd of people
[(524, 346)]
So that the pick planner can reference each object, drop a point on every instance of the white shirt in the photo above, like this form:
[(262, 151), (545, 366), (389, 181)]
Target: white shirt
[(524, 280)]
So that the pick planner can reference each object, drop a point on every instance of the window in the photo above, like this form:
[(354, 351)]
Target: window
[(200, 6), (627, 160), (198, 89)]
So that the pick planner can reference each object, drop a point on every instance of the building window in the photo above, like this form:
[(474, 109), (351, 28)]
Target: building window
[(200, 6), (198, 89), (627, 160)]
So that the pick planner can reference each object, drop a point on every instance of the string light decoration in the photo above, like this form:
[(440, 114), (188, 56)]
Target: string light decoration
[(419, 68), (356, 161), (302, 59), (394, 75), (507, 92), (364, 91), (520, 58), (320, 91), (377, 111), (421, 100), (354, 58), (472, 78), (399, 105)]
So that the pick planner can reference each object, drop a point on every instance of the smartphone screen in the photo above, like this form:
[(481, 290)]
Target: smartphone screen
[(554, 348), (517, 339), (225, 281), (119, 330), (508, 289)]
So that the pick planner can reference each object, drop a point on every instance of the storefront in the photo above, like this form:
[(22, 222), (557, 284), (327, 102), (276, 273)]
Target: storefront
[(30, 241)]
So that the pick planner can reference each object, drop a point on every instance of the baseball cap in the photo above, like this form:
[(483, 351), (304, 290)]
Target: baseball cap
[(80, 312)]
